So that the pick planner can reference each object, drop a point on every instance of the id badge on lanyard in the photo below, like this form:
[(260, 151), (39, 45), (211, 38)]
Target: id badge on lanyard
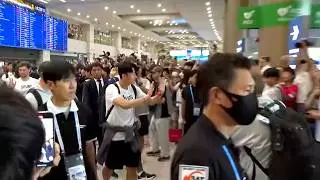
[(74, 163), (196, 106)]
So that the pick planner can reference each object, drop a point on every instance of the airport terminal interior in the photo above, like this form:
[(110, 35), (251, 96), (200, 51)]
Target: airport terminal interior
[(129, 62)]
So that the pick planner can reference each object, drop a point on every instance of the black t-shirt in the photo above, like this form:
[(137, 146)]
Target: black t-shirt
[(187, 96), (205, 146), (69, 137)]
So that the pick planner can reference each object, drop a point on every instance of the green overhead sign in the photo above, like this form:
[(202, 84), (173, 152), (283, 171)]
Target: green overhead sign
[(315, 16), (276, 14)]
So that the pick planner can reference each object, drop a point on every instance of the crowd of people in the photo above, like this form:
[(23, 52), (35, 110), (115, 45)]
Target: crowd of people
[(108, 111)]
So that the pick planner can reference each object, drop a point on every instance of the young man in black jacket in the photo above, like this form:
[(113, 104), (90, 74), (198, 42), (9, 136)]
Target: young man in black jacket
[(74, 131)]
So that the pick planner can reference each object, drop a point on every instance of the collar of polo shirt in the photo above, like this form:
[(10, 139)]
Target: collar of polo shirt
[(52, 108)]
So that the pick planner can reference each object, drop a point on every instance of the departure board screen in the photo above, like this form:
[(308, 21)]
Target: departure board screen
[(25, 28)]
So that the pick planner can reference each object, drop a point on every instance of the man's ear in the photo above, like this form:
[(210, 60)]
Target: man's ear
[(51, 84)]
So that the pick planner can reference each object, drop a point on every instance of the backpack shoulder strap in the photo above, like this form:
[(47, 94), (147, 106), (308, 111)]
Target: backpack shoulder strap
[(255, 161), (112, 106), (134, 90), (36, 95)]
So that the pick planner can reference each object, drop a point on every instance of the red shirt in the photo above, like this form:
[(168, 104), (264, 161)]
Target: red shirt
[(289, 93)]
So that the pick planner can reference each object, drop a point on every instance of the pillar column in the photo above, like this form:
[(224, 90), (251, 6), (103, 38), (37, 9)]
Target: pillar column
[(44, 56), (117, 41), (273, 41), (137, 45), (231, 31), (89, 34)]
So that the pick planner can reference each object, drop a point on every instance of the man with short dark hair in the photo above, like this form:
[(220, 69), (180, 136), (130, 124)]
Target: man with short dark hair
[(272, 88), (73, 128), (24, 82), (120, 145), (41, 93), (92, 89), (226, 89)]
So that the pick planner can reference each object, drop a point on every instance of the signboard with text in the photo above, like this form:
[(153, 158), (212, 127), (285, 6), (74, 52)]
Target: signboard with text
[(315, 16), (249, 17)]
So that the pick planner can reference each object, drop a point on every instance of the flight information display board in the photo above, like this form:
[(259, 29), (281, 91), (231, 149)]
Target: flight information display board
[(24, 28)]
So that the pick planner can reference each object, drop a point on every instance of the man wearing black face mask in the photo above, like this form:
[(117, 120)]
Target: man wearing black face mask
[(206, 151)]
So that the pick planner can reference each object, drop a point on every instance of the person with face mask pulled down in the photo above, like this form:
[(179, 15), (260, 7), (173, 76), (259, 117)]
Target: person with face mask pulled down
[(225, 86)]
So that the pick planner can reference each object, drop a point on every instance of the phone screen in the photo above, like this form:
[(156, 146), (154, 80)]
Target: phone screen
[(47, 150)]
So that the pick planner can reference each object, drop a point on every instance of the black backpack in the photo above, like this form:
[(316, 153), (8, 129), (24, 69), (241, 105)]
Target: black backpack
[(295, 153), (102, 103), (37, 95)]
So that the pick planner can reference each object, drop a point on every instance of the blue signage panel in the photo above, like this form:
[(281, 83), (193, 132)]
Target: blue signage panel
[(25, 28), (295, 32)]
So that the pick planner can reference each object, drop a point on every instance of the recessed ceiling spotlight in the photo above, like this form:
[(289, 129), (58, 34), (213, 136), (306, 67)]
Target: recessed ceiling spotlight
[(69, 10), (64, 1), (150, 22), (112, 25), (210, 15), (208, 3), (114, 12), (171, 24), (135, 33), (211, 19), (88, 16), (78, 14), (209, 12), (131, 32), (139, 35), (176, 24), (106, 8), (132, 6), (208, 8), (159, 5), (107, 23), (168, 22), (124, 30), (164, 10), (138, 11), (96, 19), (119, 27), (143, 36)]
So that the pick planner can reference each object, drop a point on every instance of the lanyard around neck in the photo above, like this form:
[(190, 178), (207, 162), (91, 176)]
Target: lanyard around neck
[(76, 118), (191, 94)]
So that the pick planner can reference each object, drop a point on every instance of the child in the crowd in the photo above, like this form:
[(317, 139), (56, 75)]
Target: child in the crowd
[(272, 88), (288, 89)]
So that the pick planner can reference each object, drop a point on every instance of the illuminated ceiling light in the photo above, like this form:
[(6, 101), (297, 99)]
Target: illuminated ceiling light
[(209, 12), (119, 27), (209, 15), (150, 22), (78, 14), (124, 30), (168, 22), (88, 16), (96, 19), (176, 24), (64, 1), (164, 10), (208, 8), (132, 6), (107, 23), (82, 0), (211, 19), (139, 35), (112, 26), (208, 3), (131, 32), (106, 8), (138, 11), (143, 36), (69, 10), (114, 12), (171, 24), (135, 33), (159, 5)]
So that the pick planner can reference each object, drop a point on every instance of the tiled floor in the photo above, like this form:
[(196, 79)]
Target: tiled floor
[(151, 165)]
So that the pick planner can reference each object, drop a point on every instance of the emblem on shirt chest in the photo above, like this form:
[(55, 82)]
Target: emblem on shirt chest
[(191, 172)]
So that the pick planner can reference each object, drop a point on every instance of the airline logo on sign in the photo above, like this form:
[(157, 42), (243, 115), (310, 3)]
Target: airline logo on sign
[(190, 172)]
